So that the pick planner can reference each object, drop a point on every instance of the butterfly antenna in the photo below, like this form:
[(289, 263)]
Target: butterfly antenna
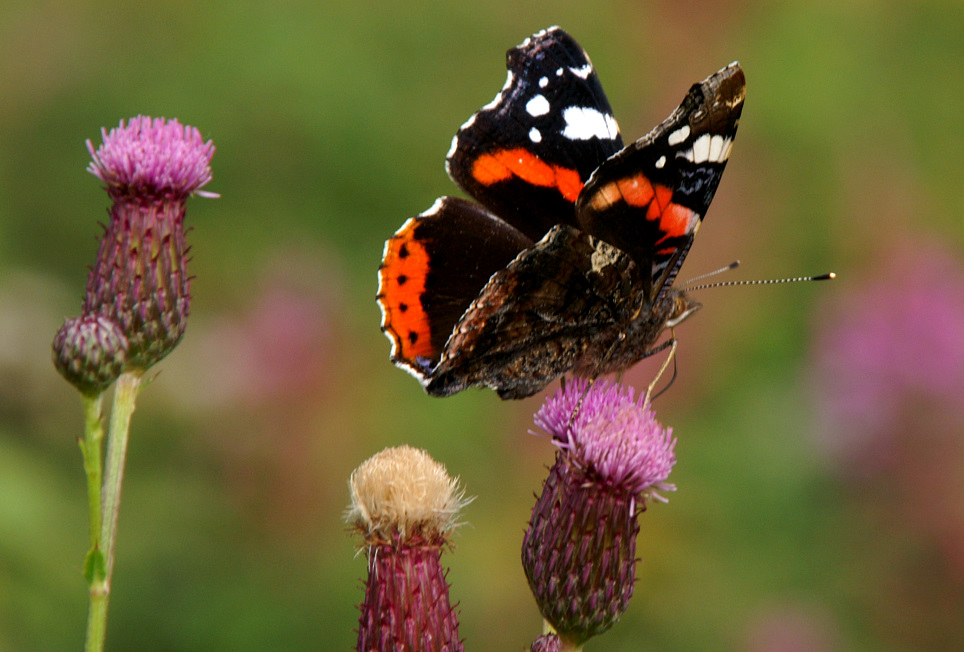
[(770, 281), (729, 267)]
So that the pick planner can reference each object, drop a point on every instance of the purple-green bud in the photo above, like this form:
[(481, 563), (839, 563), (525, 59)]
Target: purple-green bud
[(579, 551), (90, 352), (140, 279)]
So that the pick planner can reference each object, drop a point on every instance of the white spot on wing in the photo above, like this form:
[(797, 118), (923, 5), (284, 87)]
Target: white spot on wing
[(726, 149), (582, 72), (716, 148), (701, 149), (679, 135), (537, 106), (660, 162), (543, 82), (583, 123), (535, 136), (558, 72)]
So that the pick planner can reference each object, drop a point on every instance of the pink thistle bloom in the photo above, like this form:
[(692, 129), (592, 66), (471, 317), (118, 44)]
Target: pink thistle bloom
[(140, 279), (614, 437), (579, 552), (152, 157)]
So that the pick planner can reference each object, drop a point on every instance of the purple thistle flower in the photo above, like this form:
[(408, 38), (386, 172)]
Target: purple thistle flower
[(614, 437), (579, 552), (140, 280), (405, 506), (152, 157)]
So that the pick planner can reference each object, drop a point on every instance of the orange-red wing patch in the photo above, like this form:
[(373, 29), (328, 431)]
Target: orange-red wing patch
[(504, 164), (637, 190), (674, 219), (677, 221), (401, 284)]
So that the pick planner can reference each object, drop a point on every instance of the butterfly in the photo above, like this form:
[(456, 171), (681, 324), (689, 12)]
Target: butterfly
[(565, 261)]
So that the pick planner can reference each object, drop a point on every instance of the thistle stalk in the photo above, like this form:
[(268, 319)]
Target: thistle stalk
[(134, 312)]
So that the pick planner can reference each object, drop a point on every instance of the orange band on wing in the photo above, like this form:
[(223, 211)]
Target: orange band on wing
[(674, 219), (677, 221), (401, 284), (503, 164), (636, 191)]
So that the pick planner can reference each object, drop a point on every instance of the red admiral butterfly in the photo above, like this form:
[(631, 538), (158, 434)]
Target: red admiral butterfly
[(566, 263)]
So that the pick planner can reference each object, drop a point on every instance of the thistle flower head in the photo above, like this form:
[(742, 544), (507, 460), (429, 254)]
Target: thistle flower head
[(404, 505), (403, 492), (614, 438), (90, 352), (579, 551), (140, 279), (152, 156)]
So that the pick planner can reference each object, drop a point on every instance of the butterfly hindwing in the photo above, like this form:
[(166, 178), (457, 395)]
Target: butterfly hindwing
[(432, 269), (540, 316)]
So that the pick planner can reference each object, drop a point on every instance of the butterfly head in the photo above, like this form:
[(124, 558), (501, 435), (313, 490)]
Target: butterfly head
[(683, 307)]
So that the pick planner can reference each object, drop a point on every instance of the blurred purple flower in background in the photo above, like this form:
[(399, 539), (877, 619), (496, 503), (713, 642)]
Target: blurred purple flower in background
[(889, 379), (889, 353)]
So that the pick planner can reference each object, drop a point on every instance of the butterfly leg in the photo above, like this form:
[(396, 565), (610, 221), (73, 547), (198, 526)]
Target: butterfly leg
[(575, 412), (671, 344)]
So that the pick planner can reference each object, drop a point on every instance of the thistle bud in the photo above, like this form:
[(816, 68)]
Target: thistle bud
[(579, 551), (90, 352), (404, 505)]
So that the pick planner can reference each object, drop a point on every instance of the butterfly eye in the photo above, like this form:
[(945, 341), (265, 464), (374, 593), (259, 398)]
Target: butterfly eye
[(683, 307)]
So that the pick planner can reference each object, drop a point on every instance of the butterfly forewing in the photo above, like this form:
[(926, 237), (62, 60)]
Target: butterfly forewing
[(526, 155), (650, 198)]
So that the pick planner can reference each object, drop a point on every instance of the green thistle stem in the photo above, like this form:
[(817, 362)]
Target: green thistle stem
[(104, 494), (94, 565), (125, 394), (90, 448)]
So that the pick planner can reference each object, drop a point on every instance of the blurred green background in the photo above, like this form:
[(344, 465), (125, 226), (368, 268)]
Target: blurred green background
[(821, 462)]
